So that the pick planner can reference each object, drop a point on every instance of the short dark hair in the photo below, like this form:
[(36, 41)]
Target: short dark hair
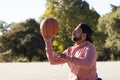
[(86, 29)]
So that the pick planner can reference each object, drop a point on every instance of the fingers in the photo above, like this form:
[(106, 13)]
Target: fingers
[(60, 55), (47, 38), (57, 58)]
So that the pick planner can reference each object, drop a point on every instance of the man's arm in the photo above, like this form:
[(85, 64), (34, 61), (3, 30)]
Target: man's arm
[(86, 62), (51, 55)]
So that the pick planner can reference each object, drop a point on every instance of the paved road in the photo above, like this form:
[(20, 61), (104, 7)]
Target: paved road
[(45, 71)]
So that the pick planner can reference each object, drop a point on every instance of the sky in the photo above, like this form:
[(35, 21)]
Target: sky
[(20, 10)]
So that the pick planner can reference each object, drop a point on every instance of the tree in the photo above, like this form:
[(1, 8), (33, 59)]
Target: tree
[(109, 25), (4, 26), (69, 14), (24, 40)]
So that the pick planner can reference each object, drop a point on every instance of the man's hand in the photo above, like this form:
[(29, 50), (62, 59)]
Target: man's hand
[(47, 38), (62, 56)]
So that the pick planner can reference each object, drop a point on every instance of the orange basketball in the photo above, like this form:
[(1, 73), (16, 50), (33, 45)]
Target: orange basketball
[(49, 27)]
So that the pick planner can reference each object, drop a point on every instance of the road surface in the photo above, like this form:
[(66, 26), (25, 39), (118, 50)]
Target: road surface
[(45, 71)]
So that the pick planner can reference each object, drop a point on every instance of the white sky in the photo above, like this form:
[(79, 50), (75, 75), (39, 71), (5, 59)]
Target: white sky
[(20, 10), (103, 6)]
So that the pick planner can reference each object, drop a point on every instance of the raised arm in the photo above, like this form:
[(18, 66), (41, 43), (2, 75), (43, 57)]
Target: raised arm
[(52, 56)]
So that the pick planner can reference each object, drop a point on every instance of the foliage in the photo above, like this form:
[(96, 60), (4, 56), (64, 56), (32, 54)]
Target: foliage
[(110, 26), (4, 26), (69, 14), (24, 41)]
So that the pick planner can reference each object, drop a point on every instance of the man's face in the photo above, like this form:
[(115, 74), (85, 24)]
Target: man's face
[(76, 34)]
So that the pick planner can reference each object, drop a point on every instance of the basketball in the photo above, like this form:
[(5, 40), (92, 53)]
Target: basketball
[(49, 27)]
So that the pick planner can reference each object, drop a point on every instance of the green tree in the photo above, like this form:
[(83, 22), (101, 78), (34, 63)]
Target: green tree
[(4, 26), (24, 40), (69, 14), (110, 26)]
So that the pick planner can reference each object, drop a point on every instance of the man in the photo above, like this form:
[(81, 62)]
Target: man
[(81, 57)]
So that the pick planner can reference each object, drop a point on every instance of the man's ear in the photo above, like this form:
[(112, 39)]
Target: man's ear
[(84, 35)]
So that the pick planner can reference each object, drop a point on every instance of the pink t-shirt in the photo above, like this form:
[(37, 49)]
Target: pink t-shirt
[(81, 60)]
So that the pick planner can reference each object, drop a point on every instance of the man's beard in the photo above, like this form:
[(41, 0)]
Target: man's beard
[(76, 38)]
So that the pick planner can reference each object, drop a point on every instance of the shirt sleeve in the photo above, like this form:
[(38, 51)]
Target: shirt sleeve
[(51, 54), (87, 61)]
